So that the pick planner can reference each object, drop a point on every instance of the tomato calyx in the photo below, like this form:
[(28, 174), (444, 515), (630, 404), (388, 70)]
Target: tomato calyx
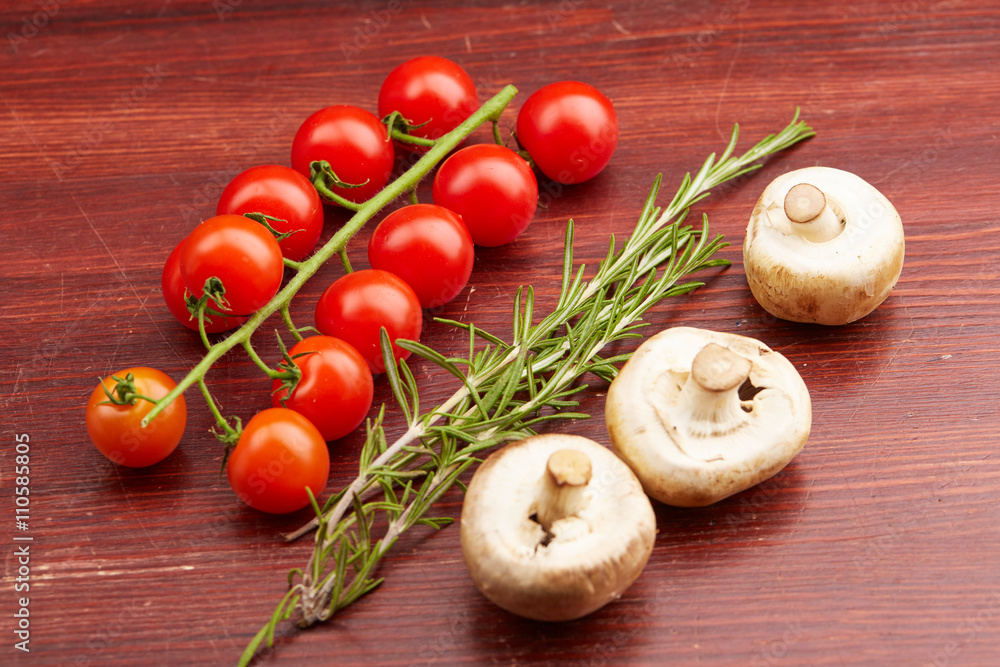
[(266, 220), (124, 392), (323, 178), (288, 372), (225, 433), (200, 309), (527, 158), (520, 150), (196, 306), (215, 291), (500, 141), (399, 128), (228, 435)]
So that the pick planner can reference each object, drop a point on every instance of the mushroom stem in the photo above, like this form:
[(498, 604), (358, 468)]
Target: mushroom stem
[(711, 393), (811, 214), (564, 487)]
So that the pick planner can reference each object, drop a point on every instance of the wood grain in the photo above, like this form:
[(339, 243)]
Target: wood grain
[(122, 121)]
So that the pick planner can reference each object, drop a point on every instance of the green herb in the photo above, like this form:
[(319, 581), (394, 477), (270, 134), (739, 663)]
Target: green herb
[(506, 389)]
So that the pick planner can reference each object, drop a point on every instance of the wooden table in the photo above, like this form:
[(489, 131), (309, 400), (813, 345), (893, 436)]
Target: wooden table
[(121, 122)]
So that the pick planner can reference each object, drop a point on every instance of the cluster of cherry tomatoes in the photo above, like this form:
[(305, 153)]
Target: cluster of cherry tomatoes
[(421, 256)]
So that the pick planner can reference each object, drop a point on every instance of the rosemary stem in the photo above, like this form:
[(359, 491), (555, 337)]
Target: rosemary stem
[(413, 433)]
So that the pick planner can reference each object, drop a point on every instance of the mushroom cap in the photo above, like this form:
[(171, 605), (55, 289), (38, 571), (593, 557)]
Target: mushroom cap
[(833, 282), (587, 560), (677, 463)]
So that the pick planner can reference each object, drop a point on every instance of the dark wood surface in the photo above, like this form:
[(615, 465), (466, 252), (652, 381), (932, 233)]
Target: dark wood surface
[(121, 121)]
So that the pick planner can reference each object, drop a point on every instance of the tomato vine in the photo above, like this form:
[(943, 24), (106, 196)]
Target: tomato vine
[(490, 111)]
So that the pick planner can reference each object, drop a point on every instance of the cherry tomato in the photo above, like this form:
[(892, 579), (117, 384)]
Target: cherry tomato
[(427, 246), (357, 305), (569, 129), (429, 90), (492, 188), (114, 423), (241, 253), (282, 193), (280, 454), (354, 142), (176, 297), (335, 390)]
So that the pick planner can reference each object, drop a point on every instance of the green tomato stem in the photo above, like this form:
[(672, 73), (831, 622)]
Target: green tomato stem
[(407, 181), (330, 196), (406, 138), (202, 304), (229, 435), (345, 261), (124, 392), (270, 372), (286, 316)]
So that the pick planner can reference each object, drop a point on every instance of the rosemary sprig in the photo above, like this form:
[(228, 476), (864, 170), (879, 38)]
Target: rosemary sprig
[(507, 389)]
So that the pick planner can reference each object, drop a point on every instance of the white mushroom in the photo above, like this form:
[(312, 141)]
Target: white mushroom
[(822, 246), (700, 415), (555, 526)]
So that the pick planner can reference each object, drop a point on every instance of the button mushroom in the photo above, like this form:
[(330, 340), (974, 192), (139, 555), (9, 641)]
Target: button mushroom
[(555, 526), (700, 415), (822, 246)]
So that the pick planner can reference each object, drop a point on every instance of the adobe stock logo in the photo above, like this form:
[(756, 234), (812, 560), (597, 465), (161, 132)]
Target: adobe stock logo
[(707, 36), (96, 132), (371, 27), (31, 26)]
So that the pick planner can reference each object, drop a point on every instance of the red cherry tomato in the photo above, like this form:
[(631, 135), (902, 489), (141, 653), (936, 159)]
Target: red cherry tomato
[(357, 305), (176, 297), (492, 188), (569, 129), (282, 193), (278, 456), (354, 142), (335, 390), (427, 246), (241, 253), (429, 90), (116, 429)]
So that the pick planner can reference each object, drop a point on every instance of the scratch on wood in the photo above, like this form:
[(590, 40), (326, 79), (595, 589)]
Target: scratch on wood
[(725, 84), (902, 344), (620, 28), (468, 299), (121, 270), (101, 572)]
